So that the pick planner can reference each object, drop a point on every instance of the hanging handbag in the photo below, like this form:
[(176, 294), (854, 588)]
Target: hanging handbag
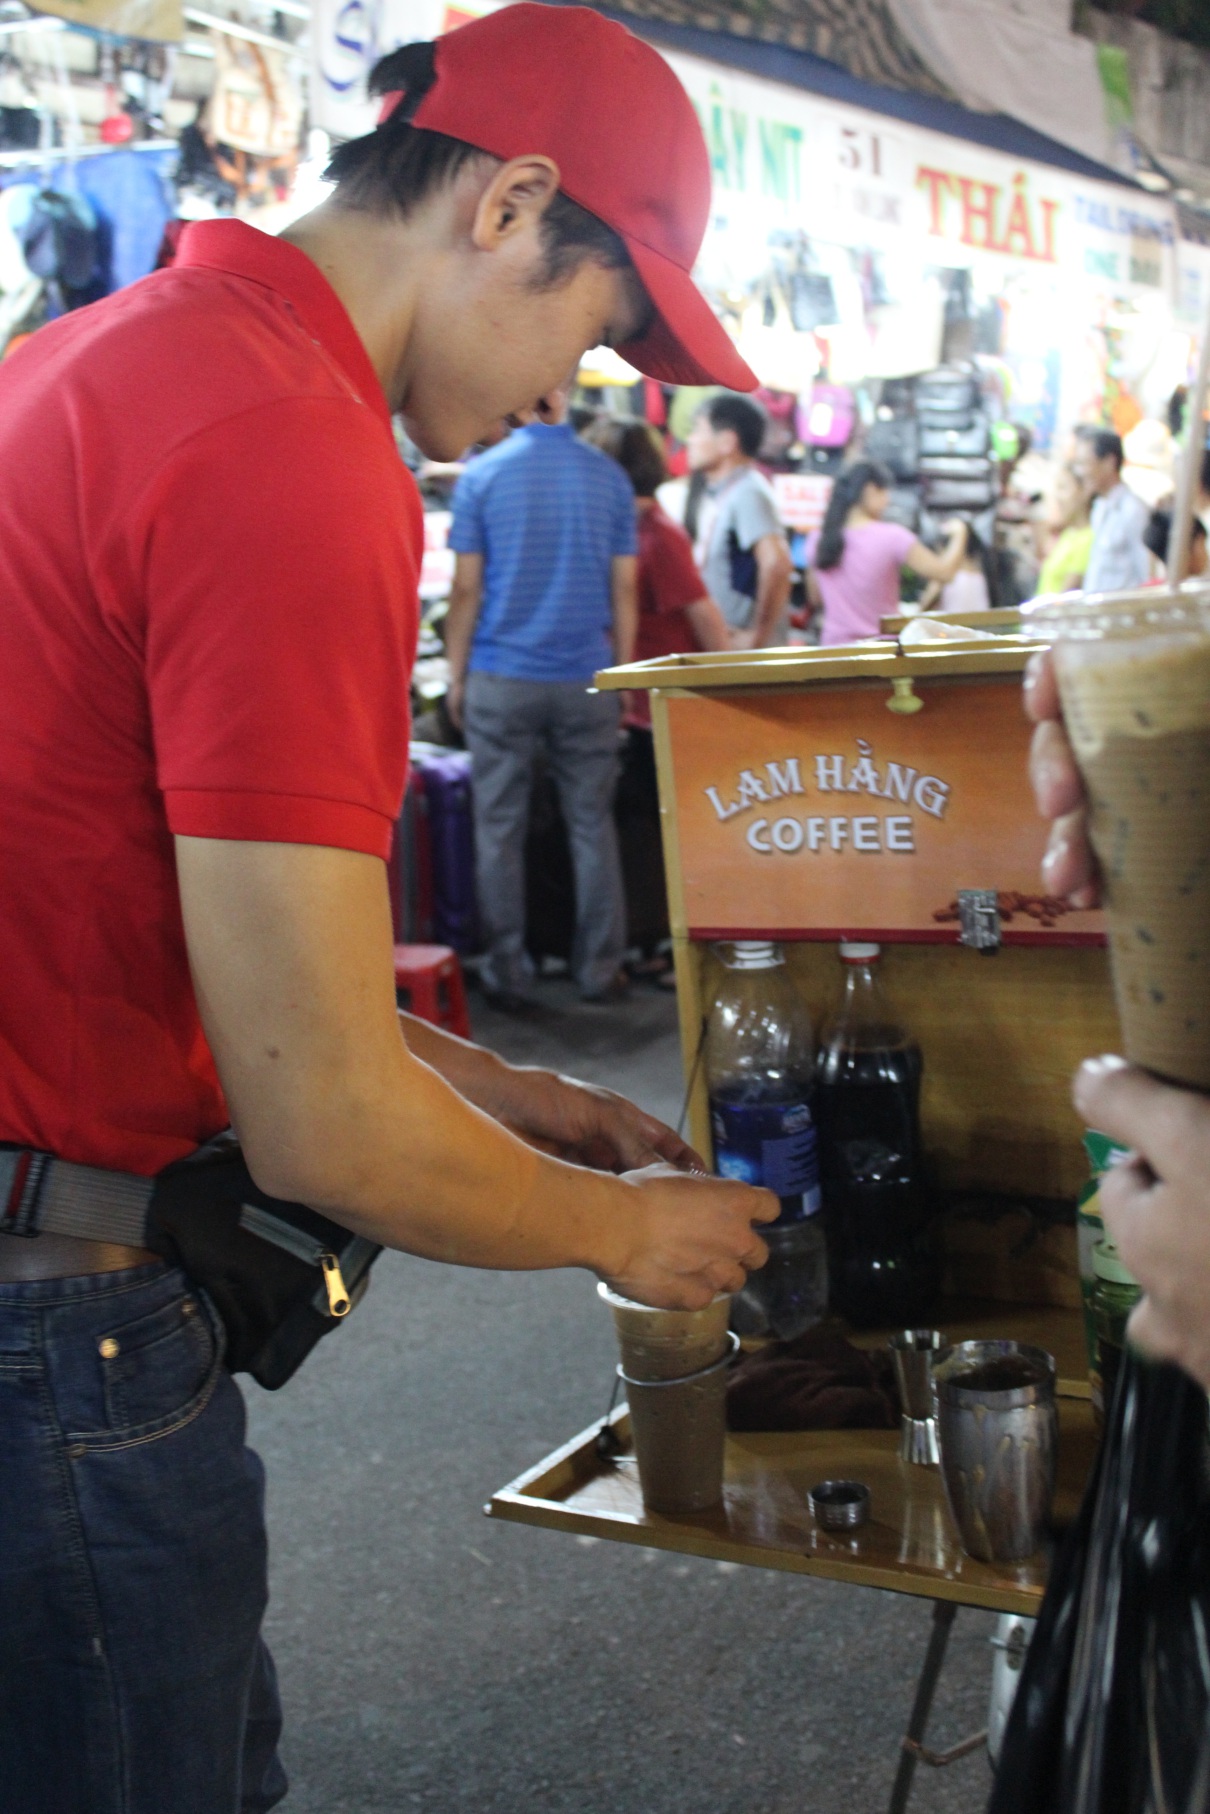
[(959, 494), (894, 442), (950, 393), (827, 417), (968, 440)]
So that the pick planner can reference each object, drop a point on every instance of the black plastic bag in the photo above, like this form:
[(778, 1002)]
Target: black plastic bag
[(1112, 1715)]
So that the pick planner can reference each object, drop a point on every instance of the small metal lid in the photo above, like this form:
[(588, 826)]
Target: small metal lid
[(839, 1505)]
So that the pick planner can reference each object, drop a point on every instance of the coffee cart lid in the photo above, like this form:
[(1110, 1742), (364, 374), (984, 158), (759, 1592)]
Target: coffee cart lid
[(878, 659)]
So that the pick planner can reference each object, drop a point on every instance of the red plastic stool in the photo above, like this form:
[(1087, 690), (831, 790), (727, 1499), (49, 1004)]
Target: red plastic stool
[(430, 976)]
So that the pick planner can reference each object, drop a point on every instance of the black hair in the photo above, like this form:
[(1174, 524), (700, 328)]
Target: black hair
[(395, 168), (744, 417), (636, 448), (846, 492), (1205, 473), (1158, 533), (1108, 446)]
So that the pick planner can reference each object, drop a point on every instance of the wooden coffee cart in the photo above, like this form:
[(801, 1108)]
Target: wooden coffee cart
[(813, 795)]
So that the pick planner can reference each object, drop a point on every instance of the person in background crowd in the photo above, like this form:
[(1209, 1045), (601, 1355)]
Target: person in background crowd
[(741, 545), (1068, 529), (1158, 532), (1154, 1203), (543, 596), (855, 558), (676, 613), (1118, 556), (969, 590), (1014, 542)]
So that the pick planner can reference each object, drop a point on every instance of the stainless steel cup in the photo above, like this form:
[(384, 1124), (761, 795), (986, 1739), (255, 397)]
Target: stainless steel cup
[(679, 1428), (998, 1430), (912, 1353)]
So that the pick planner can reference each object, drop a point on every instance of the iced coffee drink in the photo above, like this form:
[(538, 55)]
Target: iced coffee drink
[(1134, 675)]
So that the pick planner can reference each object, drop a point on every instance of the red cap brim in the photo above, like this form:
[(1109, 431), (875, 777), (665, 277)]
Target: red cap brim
[(686, 343)]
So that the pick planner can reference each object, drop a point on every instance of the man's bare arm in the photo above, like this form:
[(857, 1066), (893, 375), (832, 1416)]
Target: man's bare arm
[(290, 947), (466, 596), (774, 577), (624, 598), (582, 1121)]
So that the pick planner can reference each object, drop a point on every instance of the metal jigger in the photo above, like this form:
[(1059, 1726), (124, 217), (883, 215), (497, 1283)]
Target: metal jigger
[(912, 1352)]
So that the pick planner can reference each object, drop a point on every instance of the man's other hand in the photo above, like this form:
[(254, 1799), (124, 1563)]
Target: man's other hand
[(1069, 867), (589, 1125), (1157, 1203)]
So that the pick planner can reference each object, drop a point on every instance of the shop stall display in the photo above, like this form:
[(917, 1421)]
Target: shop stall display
[(878, 797)]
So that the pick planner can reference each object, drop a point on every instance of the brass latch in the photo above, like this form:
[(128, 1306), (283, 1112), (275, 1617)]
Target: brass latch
[(979, 916), (904, 698)]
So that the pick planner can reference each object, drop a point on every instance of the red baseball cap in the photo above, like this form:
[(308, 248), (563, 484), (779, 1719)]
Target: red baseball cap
[(567, 84)]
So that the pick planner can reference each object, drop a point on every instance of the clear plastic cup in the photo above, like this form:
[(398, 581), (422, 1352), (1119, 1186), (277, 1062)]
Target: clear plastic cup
[(1134, 677), (667, 1344)]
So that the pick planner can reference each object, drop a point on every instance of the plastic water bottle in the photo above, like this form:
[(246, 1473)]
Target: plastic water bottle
[(760, 1075), (881, 1262)]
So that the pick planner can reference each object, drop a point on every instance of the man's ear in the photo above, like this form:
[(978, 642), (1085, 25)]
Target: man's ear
[(517, 197)]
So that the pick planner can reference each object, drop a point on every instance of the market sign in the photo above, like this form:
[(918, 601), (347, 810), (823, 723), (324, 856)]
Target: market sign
[(784, 159), (820, 814), (349, 36)]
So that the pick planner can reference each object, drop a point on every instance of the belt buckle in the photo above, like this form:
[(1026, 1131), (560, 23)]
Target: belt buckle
[(19, 1215)]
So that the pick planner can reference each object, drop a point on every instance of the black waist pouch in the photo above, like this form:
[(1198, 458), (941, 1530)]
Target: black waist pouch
[(280, 1275)]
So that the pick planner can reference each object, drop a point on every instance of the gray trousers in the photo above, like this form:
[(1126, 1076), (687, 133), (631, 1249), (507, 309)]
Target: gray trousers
[(507, 723)]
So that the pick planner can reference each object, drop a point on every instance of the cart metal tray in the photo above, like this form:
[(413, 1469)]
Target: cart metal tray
[(908, 1546)]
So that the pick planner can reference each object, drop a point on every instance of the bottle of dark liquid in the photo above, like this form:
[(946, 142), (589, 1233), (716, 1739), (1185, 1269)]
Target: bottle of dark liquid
[(881, 1263), (760, 1058)]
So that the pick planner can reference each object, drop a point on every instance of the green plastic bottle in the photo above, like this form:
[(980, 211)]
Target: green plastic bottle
[(1114, 1296)]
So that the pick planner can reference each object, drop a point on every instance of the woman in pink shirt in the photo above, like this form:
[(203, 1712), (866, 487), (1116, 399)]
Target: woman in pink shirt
[(856, 557)]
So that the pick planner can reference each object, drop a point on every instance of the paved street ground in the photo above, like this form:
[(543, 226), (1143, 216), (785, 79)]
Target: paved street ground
[(431, 1659)]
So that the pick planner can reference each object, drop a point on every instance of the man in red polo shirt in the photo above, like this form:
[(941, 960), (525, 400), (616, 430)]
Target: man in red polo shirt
[(208, 558)]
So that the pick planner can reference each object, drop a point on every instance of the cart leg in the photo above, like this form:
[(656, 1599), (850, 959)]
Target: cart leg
[(944, 1614)]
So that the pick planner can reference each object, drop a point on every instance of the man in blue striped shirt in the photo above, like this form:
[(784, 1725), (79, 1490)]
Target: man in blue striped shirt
[(544, 595)]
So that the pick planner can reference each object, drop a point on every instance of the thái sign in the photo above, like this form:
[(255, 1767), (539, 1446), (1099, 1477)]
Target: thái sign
[(821, 814)]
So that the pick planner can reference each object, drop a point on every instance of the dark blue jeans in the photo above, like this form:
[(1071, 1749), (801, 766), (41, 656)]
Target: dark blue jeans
[(133, 1679)]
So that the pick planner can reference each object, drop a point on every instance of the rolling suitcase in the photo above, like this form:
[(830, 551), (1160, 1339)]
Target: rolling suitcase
[(445, 776)]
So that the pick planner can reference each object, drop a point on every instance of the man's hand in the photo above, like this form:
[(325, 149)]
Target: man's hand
[(683, 1225), (455, 701), (1069, 868), (576, 1121), (1157, 1203), (590, 1125)]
